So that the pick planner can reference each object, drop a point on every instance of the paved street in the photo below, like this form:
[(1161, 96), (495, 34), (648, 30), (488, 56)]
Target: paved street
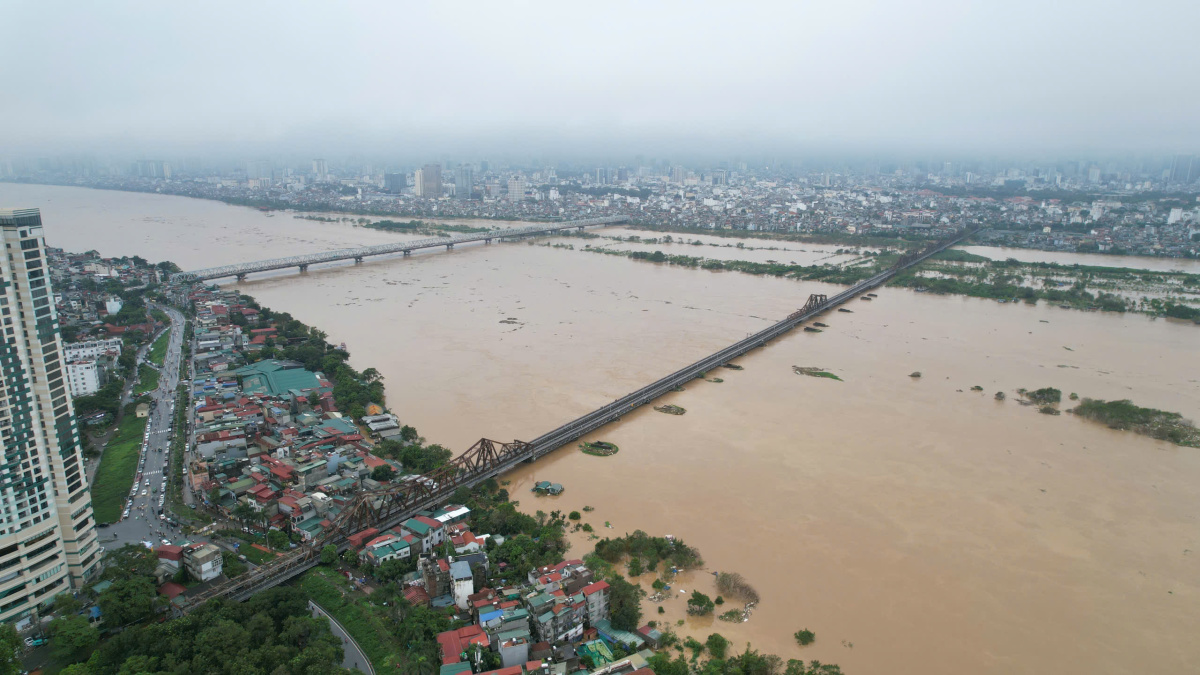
[(143, 523), (353, 656)]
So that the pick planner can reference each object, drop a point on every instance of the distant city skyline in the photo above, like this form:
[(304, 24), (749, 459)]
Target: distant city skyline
[(678, 79)]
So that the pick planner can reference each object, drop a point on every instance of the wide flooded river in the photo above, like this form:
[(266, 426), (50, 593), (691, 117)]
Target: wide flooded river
[(914, 525)]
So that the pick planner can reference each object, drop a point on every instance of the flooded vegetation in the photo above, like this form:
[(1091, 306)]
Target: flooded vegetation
[(599, 448), (1157, 292), (812, 371), (851, 505), (670, 409), (1124, 415)]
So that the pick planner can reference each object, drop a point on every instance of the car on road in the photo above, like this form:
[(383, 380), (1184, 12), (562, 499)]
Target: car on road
[(143, 492), (166, 542), (33, 641)]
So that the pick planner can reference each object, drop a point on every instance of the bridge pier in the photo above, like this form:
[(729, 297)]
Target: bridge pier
[(581, 228), (449, 246), (358, 260), (487, 241), (241, 276), (407, 253), (303, 269)]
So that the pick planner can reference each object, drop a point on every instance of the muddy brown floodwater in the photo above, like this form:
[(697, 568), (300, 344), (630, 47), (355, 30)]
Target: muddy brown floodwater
[(932, 528)]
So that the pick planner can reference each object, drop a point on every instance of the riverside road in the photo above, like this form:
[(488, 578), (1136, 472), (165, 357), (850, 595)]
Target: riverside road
[(143, 523)]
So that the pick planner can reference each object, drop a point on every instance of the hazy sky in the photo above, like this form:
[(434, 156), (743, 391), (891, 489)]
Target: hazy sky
[(448, 76)]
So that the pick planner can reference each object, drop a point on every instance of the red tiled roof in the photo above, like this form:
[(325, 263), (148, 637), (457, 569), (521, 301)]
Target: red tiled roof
[(169, 552), (356, 540), (453, 642), (417, 596), (595, 588), (428, 521)]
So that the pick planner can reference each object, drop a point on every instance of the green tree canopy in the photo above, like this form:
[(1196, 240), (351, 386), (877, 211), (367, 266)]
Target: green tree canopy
[(329, 554), (128, 600), (71, 636), (10, 650)]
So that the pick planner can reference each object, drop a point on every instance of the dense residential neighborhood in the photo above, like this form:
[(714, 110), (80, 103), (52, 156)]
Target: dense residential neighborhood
[(1144, 207), (275, 437)]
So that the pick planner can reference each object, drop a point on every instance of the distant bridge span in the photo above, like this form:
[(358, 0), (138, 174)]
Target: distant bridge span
[(392, 505), (302, 262)]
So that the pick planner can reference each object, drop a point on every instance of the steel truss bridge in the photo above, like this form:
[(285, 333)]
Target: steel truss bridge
[(302, 262), (387, 507)]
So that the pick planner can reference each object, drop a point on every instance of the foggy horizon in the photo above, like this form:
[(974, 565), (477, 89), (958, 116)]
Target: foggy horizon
[(679, 80)]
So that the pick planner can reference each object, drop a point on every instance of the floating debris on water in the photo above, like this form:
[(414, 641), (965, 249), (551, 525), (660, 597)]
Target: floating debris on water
[(843, 309), (732, 366), (810, 329), (818, 324), (915, 374), (670, 409)]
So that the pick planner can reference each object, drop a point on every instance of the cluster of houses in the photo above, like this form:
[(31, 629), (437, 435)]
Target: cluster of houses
[(268, 435), (549, 624), (91, 359), (272, 449), (82, 303)]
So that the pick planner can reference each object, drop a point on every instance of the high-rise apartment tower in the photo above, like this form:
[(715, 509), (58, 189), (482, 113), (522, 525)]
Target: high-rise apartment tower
[(431, 181), (464, 180), (47, 533)]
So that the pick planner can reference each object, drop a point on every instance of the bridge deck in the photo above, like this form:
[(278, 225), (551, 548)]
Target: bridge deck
[(303, 261), (305, 558)]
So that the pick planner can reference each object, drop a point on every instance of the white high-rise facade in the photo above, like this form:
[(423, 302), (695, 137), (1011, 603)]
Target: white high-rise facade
[(47, 532), (84, 378), (516, 188)]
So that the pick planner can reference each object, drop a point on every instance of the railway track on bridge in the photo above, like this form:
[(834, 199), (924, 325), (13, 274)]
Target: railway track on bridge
[(391, 506)]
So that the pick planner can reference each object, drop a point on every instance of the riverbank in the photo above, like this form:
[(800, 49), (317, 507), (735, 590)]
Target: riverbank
[(953, 272), (900, 490)]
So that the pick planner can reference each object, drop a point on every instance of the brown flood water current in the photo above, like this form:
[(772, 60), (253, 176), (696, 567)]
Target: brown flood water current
[(934, 528)]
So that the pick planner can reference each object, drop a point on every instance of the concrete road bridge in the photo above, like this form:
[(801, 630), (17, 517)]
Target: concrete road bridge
[(302, 262), (387, 507)]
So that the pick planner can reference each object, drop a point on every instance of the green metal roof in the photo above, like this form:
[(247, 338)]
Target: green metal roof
[(273, 377)]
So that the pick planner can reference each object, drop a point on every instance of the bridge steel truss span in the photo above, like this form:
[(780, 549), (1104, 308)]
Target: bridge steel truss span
[(392, 505), (302, 262)]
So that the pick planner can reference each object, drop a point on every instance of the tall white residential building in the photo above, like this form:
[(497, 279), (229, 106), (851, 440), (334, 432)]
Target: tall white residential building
[(84, 378), (47, 532), (516, 189), (82, 351), (419, 183)]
